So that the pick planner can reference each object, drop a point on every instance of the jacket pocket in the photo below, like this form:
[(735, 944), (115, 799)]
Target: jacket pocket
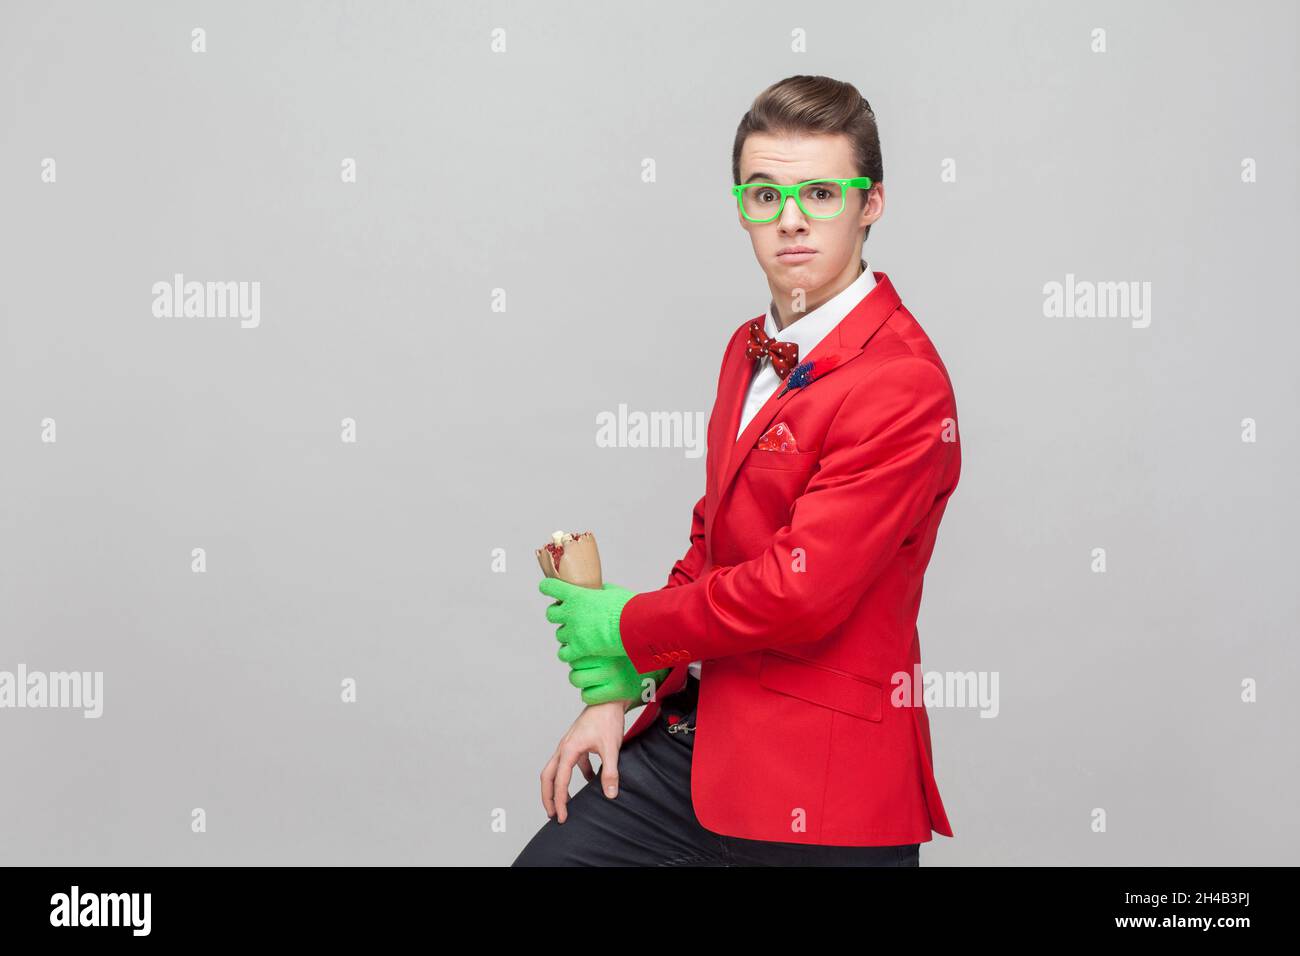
[(821, 685), (783, 460)]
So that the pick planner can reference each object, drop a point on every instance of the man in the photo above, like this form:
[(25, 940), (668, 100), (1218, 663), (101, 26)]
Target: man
[(773, 736)]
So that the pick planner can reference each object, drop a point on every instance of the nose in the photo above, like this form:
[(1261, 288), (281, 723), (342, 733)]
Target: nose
[(792, 217)]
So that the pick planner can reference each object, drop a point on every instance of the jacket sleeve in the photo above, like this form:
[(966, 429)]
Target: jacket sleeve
[(890, 452), (684, 571), (687, 569)]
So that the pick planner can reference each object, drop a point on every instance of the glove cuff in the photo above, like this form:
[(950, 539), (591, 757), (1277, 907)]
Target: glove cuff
[(615, 613)]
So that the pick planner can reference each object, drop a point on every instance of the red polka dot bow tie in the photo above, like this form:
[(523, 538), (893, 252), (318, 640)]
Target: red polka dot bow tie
[(784, 355)]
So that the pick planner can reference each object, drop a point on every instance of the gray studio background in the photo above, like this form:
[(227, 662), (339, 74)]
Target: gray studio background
[(476, 428)]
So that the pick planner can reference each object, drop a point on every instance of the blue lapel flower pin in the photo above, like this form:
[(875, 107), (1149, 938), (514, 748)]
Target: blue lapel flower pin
[(806, 373)]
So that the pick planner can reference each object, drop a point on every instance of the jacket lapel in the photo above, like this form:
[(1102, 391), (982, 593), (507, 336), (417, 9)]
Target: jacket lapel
[(846, 342)]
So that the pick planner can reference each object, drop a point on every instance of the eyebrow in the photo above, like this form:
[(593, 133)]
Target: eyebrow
[(769, 178)]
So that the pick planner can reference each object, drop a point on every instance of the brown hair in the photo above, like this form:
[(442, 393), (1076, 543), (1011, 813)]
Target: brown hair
[(815, 104)]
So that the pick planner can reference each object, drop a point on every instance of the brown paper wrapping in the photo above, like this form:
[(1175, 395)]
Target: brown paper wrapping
[(579, 564)]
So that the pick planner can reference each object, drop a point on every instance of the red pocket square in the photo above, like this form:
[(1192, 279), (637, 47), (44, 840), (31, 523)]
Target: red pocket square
[(778, 438)]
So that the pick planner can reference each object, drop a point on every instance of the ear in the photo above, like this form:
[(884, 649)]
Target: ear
[(874, 205)]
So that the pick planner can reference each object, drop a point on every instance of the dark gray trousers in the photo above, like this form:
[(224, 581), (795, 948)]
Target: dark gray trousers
[(652, 823)]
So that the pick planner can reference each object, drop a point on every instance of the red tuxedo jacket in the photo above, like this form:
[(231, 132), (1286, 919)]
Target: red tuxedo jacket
[(801, 589)]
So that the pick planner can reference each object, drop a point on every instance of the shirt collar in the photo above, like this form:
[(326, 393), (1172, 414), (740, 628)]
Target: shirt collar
[(814, 326)]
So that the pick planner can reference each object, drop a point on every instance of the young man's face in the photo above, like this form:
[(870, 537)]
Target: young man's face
[(836, 244)]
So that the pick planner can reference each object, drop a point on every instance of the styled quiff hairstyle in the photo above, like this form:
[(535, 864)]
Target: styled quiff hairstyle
[(815, 104)]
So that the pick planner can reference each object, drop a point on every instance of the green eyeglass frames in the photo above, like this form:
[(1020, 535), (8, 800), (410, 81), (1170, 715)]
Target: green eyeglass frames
[(816, 198)]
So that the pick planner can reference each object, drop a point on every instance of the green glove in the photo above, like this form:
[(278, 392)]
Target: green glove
[(603, 679), (588, 618)]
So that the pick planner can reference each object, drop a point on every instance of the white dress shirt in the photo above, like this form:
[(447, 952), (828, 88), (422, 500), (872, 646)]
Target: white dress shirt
[(807, 331)]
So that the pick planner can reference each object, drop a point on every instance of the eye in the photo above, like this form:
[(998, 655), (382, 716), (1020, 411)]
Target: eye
[(766, 195)]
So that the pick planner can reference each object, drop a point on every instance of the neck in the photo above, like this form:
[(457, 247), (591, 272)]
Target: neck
[(786, 316)]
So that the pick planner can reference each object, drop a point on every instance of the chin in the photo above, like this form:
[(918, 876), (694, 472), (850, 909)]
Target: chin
[(812, 267)]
